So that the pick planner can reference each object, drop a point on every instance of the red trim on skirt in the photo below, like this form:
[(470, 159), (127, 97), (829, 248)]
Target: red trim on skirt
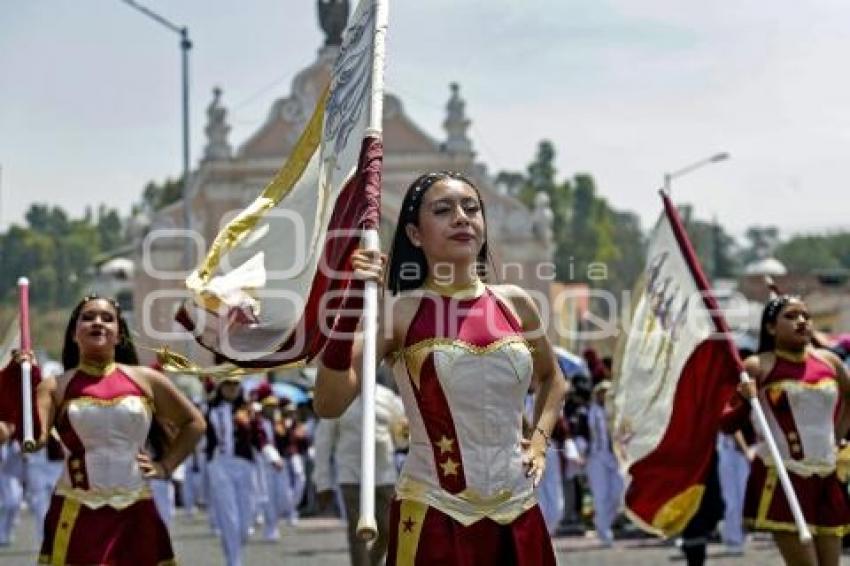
[(444, 541), (823, 500), (106, 536)]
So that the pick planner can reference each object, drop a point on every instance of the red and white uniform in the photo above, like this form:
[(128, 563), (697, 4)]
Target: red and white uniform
[(800, 398), (101, 511), (463, 375)]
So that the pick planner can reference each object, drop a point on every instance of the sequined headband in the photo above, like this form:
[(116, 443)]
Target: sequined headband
[(95, 296), (774, 306), (426, 183)]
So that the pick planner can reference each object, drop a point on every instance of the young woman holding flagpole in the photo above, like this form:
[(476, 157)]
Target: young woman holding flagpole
[(464, 354), (102, 407), (806, 391)]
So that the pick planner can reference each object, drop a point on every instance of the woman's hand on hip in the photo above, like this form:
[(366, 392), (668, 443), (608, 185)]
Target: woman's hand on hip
[(534, 458), (152, 470)]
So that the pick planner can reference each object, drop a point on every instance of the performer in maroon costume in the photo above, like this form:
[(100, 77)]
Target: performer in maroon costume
[(804, 392), (464, 354), (102, 407)]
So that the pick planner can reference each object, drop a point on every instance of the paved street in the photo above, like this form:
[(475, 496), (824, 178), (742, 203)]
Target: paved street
[(321, 542)]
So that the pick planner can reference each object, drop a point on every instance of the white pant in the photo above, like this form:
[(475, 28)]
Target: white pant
[(194, 469), (230, 495), (606, 486), (272, 505), (550, 492), (294, 480), (163, 499), (734, 469), (41, 480), (11, 496)]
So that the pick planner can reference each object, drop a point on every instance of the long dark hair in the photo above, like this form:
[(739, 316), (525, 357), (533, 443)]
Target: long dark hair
[(767, 341), (125, 350), (404, 255)]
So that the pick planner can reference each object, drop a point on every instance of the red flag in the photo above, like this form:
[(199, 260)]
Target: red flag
[(677, 368)]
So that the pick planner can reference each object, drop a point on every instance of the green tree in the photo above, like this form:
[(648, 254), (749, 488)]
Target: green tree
[(586, 229), (805, 254), (156, 196), (109, 228)]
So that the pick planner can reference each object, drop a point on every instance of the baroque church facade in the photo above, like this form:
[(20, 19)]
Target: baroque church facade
[(225, 181)]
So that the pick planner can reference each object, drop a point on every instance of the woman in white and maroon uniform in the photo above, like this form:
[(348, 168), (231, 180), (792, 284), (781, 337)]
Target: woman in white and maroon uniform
[(102, 407), (805, 393), (464, 354)]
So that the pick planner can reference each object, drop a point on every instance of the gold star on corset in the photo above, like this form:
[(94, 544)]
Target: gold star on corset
[(449, 467), (445, 444)]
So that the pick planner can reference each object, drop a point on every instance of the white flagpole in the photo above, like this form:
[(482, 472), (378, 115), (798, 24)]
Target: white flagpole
[(367, 527), (790, 495), (26, 366)]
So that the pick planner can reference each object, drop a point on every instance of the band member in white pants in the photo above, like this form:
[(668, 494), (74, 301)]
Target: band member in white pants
[(42, 471), (603, 473), (734, 469), (233, 433), (11, 491)]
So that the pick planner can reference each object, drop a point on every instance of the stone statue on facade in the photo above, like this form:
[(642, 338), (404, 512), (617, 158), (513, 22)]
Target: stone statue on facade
[(543, 218), (457, 124), (333, 17), (217, 130)]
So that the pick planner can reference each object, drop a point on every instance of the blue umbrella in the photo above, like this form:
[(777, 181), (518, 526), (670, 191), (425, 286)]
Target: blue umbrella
[(571, 364), (292, 392)]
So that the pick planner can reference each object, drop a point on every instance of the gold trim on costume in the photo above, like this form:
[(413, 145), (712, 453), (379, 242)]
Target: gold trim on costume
[(410, 518), (761, 522), (789, 356), (116, 497), (796, 385), (416, 354), (449, 467), (62, 538), (88, 401), (468, 506), (95, 369), (782, 526), (766, 495), (470, 291), (445, 444)]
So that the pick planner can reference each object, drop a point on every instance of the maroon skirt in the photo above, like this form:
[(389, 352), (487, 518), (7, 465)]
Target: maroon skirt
[(422, 535), (823, 501), (78, 535)]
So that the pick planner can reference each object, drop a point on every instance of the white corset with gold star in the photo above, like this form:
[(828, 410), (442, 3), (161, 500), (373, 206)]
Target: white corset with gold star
[(466, 459), (112, 432)]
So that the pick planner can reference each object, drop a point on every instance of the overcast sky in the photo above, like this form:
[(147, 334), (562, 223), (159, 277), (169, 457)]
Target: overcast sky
[(625, 89)]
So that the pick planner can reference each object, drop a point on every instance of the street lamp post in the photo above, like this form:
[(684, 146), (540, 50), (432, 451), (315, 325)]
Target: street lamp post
[(185, 46), (668, 177)]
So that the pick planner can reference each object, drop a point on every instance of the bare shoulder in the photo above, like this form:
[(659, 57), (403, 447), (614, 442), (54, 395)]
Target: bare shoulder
[(399, 314), (829, 357), (758, 365), (57, 385), (519, 301), (146, 378)]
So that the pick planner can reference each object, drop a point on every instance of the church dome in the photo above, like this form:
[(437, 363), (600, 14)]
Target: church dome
[(766, 266)]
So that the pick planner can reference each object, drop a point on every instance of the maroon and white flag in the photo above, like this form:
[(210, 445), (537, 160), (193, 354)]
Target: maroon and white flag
[(677, 368), (272, 282)]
